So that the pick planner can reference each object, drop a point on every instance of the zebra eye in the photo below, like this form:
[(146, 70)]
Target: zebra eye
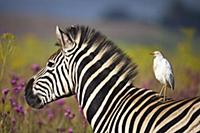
[(50, 63)]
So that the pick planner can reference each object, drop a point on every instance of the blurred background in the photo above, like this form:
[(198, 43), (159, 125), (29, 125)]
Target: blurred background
[(136, 26)]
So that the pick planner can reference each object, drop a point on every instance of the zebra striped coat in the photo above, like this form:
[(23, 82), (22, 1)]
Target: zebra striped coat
[(91, 67)]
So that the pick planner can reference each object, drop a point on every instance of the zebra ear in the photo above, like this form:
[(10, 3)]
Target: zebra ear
[(65, 40)]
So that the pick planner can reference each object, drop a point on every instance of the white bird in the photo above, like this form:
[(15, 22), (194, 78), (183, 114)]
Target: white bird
[(163, 72)]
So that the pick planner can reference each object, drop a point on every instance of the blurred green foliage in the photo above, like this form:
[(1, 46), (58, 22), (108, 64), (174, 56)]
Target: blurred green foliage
[(31, 50), (6, 49)]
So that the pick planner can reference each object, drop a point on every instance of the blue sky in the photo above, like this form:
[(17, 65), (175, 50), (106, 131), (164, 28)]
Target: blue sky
[(148, 11), (86, 9)]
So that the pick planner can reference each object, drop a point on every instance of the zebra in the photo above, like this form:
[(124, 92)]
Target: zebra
[(90, 66)]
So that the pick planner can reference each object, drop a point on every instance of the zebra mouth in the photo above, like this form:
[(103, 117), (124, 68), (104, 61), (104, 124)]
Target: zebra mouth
[(32, 100)]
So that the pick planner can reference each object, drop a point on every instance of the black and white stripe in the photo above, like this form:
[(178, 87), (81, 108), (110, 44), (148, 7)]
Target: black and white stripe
[(93, 68)]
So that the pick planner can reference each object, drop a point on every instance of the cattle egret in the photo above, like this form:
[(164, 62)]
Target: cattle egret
[(163, 72)]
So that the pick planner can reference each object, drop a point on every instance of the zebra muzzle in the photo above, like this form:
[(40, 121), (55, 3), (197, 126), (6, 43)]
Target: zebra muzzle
[(32, 100)]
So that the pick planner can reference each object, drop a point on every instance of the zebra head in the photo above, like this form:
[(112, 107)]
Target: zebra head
[(55, 80)]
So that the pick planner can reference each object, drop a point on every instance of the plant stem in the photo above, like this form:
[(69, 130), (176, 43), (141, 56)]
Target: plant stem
[(3, 68)]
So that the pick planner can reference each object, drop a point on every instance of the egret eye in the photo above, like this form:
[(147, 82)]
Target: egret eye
[(50, 64)]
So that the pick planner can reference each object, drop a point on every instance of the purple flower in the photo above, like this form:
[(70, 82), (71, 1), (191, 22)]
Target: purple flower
[(17, 89), (5, 92), (71, 115), (13, 102), (21, 83), (17, 83), (14, 79), (13, 82), (60, 102), (50, 114), (68, 110), (19, 109), (68, 113), (35, 68), (70, 130)]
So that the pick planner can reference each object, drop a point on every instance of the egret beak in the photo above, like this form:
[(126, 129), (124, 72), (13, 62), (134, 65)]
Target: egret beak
[(152, 53)]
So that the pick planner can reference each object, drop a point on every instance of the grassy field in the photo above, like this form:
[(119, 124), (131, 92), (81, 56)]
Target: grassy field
[(23, 57)]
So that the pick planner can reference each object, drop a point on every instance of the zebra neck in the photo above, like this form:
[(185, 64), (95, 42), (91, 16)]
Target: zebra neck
[(98, 97)]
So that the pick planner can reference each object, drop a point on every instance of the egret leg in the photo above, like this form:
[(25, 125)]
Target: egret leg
[(165, 90), (161, 91)]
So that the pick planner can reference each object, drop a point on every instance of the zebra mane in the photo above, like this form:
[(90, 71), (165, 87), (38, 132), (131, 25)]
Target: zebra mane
[(89, 35)]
